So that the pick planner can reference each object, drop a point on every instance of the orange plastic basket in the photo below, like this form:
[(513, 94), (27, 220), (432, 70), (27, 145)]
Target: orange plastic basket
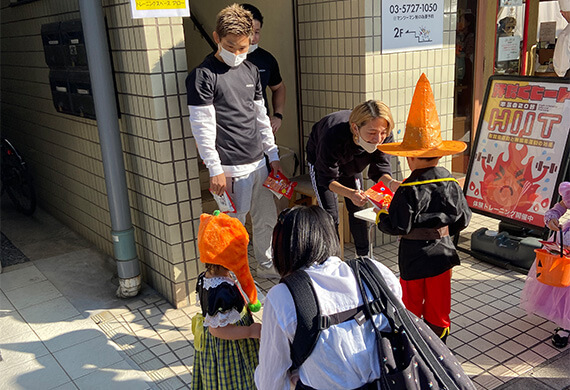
[(552, 269)]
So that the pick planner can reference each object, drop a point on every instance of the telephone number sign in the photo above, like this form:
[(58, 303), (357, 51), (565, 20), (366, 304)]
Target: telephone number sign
[(411, 26), (412, 8)]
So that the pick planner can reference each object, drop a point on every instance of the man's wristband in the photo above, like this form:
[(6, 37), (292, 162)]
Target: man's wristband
[(278, 115)]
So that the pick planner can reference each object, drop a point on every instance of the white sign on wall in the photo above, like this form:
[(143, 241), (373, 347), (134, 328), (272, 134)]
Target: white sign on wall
[(411, 25), (159, 8), (509, 48), (510, 3)]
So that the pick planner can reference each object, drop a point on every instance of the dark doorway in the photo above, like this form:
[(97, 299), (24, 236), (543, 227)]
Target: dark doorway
[(463, 97)]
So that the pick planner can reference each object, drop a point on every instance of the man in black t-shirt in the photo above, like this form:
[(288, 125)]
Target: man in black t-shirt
[(341, 145), (232, 130), (268, 70)]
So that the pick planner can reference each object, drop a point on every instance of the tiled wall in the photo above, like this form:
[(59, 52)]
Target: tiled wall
[(63, 151), (341, 66), (150, 60)]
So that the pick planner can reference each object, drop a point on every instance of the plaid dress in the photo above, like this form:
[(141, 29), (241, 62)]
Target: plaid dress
[(224, 364)]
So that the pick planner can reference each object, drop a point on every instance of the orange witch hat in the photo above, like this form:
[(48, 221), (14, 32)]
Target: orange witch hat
[(423, 130), (222, 240)]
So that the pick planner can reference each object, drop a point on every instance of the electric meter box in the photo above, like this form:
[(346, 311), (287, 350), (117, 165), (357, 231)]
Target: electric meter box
[(66, 56), (60, 91)]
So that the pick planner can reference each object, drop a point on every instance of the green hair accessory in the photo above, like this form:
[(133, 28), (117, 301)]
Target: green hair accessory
[(255, 307)]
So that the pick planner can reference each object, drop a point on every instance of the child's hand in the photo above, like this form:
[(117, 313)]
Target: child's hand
[(383, 209), (255, 330), (552, 216), (554, 225)]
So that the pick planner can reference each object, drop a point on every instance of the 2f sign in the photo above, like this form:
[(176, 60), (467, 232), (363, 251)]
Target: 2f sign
[(411, 25)]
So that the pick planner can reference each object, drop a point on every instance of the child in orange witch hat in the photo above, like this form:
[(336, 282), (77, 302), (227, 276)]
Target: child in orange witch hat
[(427, 209), (226, 338)]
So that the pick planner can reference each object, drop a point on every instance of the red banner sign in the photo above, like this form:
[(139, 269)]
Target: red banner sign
[(521, 151)]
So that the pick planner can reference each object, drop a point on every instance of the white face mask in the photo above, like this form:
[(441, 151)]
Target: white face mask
[(369, 147), (252, 48), (231, 59)]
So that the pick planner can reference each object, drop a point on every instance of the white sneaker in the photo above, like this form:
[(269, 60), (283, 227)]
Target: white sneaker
[(267, 271)]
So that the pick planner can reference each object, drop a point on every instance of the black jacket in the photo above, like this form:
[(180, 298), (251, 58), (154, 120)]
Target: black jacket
[(333, 153), (428, 205)]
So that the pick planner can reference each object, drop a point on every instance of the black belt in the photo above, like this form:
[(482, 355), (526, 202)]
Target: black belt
[(301, 386), (424, 234)]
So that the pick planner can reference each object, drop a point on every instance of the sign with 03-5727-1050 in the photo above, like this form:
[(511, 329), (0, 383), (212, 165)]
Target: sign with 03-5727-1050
[(408, 26)]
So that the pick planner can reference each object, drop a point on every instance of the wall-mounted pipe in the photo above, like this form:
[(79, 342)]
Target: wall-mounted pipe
[(101, 74)]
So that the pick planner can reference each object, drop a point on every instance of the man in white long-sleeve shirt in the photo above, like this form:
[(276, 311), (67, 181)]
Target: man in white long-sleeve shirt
[(232, 130), (561, 59)]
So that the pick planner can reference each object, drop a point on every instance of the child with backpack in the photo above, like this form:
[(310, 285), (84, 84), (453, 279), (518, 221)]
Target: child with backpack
[(345, 354), (226, 338), (550, 302), (427, 209)]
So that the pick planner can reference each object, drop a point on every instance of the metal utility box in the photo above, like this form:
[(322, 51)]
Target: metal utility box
[(66, 56), (74, 44), (80, 94), (53, 48), (60, 91)]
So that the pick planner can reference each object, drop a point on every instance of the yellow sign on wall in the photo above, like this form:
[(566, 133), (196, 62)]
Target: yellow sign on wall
[(147, 5), (159, 8)]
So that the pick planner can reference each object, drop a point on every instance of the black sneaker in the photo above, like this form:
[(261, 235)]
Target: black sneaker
[(558, 340)]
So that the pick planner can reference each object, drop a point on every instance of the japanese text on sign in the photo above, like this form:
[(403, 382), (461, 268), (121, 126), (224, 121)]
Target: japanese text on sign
[(411, 26), (159, 4), (508, 48), (520, 149), (159, 8)]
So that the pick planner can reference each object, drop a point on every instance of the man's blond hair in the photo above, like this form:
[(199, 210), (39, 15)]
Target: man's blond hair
[(371, 109), (234, 20)]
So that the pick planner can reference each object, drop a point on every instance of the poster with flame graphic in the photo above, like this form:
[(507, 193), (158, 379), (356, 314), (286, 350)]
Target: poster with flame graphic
[(521, 149)]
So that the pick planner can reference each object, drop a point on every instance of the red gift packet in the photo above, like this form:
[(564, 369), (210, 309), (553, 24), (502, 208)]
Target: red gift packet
[(225, 203), (379, 195), (554, 247), (279, 184)]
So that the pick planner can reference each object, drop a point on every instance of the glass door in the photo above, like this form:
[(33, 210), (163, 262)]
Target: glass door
[(509, 37), (549, 26)]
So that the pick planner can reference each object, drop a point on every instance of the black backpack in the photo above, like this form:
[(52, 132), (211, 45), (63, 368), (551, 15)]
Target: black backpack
[(411, 355)]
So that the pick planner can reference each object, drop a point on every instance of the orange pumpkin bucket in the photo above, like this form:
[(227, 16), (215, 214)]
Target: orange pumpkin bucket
[(552, 269)]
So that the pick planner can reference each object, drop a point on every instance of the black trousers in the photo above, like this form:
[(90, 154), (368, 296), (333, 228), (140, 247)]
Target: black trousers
[(328, 200)]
